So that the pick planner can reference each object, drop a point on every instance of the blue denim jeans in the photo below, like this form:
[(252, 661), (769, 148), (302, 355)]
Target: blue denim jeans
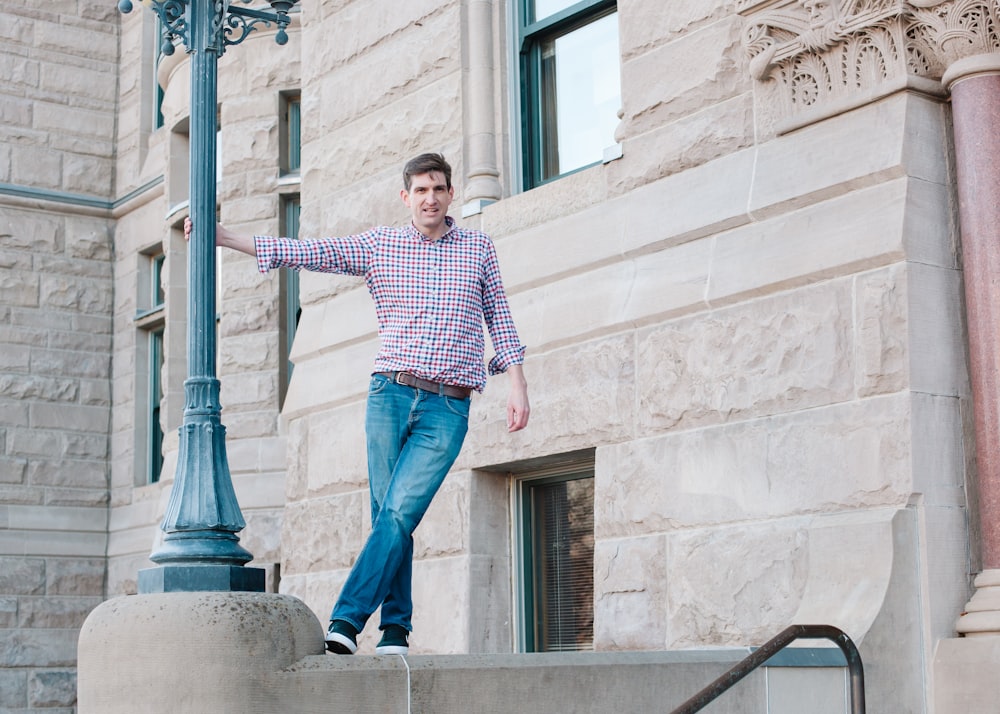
[(413, 439)]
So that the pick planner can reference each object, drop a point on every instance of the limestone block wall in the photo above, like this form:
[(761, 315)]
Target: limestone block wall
[(57, 117)]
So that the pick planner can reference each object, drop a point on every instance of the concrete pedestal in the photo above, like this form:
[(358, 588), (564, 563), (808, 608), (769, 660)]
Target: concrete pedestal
[(965, 675), (191, 652)]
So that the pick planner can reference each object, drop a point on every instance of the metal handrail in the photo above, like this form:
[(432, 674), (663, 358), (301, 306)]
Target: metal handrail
[(771, 648)]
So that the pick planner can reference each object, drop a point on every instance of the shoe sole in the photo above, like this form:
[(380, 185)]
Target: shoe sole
[(340, 644), (391, 650)]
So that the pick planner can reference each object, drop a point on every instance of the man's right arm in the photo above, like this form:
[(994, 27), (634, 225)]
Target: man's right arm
[(226, 238), (229, 239)]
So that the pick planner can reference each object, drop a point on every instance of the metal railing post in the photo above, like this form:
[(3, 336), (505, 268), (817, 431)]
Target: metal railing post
[(772, 647)]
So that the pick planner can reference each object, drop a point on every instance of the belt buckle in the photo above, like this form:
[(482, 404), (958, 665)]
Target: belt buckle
[(399, 380)]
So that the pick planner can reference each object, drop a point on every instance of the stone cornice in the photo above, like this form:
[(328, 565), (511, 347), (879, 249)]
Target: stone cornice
[(810, 54)]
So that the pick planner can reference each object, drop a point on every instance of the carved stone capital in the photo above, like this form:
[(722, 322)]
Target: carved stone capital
[(818, 57)]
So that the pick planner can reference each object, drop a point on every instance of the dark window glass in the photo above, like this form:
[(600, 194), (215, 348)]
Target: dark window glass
[(559, 563), (155, 446)]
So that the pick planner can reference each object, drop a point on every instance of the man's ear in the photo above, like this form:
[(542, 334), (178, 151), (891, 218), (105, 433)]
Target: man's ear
[(405, 195)]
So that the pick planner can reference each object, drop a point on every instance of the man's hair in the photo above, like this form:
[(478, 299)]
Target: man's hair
[(424, 164)]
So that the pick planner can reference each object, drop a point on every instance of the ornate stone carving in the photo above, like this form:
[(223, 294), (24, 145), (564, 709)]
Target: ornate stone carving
[(816, 54)]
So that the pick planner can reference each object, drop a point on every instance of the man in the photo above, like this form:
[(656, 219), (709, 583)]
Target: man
[(433, 284)]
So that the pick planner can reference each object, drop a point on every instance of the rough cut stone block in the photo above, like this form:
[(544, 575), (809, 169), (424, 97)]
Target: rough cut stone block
[(262, 535), (94, 41), (789, 352), (68, 363), (646, 24), (752, 598), (52, 688), (249, 353), (39, 648), (13, 689), (445, 528), (36, 442), (19, 289), (12, 470), (78, 576), (41, 168), (441, 601), (359, 92), (937, 345), (8, 612), (22, 576), (324, 533), (630, 586), (69, 416), (55, 611), (253, 316), (319, 591), (340, 432), (706, 67), (581, 396), (79, 474), (882, 332), (78, 295)]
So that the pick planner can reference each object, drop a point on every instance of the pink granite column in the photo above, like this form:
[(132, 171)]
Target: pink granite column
[(975, 95)]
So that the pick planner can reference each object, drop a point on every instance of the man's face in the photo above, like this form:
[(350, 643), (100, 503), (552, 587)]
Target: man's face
[(428, 200)]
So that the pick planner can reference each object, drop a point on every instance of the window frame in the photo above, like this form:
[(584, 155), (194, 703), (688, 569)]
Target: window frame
[(290, 133), (526, 614), (150, 323), (290, 304), (531, 35)]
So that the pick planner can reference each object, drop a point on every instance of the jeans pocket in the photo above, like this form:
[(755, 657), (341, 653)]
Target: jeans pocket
[(378, 383), (458, 406)]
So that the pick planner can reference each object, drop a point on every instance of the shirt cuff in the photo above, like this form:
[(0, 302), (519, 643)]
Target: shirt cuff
[(264, 248), (504, 359)]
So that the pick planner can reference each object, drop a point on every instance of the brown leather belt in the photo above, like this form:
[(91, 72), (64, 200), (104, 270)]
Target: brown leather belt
[(410, 380)]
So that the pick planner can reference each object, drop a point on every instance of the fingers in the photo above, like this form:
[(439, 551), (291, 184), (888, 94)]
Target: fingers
[(517, 418), (187, 228)]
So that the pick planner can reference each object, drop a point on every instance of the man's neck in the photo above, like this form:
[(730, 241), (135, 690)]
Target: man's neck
[(439, 232)]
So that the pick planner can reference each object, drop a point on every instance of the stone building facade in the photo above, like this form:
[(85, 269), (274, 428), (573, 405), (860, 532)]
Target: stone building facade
[(746, 319)]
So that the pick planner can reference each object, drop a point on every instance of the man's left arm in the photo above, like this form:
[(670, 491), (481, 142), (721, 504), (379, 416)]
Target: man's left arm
[(509, 356)]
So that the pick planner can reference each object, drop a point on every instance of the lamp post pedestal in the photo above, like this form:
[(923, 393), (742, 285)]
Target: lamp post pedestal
[(193, 652)]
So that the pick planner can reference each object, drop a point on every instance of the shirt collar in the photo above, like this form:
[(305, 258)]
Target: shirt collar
[(448, 221)]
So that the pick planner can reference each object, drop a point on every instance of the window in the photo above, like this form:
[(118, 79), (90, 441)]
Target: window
[(150, 321), (157, 89), (156, 291), (154, 446), (291, 308), (570, 85), (291, 133), (554, 516)]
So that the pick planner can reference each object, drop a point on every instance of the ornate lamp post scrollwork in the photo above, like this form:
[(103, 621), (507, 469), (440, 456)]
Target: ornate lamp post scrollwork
[(200, 549)]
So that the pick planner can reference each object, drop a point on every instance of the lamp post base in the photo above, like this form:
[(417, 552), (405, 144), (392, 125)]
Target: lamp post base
[(201, 578)]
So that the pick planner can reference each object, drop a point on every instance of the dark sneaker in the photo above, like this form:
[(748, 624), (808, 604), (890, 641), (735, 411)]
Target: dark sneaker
[(394, 641), (342, 637)]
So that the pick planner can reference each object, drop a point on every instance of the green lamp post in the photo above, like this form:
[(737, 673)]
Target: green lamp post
[(200, 549)]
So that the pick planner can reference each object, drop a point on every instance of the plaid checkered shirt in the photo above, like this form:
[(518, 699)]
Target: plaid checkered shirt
[(431, 296)]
